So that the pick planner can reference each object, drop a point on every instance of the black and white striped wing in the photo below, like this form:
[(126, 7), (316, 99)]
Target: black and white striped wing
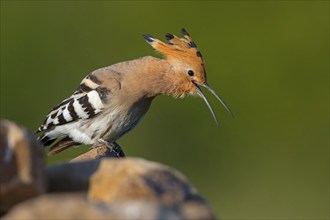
[(87, 101)]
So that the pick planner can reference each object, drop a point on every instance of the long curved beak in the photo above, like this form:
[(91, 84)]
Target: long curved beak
[(201, 94)]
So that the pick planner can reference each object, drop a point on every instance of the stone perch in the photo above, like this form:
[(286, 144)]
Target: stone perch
[(92, 186)]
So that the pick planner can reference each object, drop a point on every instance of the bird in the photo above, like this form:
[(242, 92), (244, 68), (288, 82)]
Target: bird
[(111, 101)]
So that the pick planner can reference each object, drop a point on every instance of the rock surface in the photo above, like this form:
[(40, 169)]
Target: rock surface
[(71, 177), (77, 206), (141, 183), (101, 188), (21, 165), (125, 188), (59, 206), (135, 178)]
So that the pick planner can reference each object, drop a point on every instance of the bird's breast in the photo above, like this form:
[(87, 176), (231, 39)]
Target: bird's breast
[(117, 120)]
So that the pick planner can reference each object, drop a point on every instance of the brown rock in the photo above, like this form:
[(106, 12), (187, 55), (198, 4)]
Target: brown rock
[(142, 182), (59, 206), (76, 206), (21, 165), (126, 188), (69, 177), (74, 176)]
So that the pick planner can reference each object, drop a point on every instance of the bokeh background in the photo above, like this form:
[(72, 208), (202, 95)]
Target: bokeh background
[(269, 60)]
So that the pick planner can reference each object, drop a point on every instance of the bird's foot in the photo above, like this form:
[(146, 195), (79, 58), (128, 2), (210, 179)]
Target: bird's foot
[(116, 150)]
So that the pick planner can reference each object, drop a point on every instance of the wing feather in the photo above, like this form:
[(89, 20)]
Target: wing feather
[(87, 101)]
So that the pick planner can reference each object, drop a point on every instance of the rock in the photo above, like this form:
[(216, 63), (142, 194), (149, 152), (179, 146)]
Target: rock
[(74, 176), (142, 182), (101, 188), (59, 206), (21, 165), (70, 177), (76, 206), (125, 188), (100, 152)]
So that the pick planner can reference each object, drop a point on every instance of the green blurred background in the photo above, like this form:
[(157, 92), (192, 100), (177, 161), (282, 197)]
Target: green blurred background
[(269, 60)]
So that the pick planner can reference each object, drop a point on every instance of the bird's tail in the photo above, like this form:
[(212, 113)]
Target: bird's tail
[(64, 143)]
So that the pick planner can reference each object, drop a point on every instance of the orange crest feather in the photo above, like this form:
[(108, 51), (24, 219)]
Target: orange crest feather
[(177, 49)]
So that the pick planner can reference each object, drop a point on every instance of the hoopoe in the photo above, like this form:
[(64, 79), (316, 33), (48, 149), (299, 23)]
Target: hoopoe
[(110, 101)]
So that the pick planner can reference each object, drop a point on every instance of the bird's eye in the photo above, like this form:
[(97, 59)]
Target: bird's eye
[(190, 73)]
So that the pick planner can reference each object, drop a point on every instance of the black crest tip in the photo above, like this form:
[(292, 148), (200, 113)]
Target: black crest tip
[(148, 38), (192, 44), (169, 36), (184, 32)]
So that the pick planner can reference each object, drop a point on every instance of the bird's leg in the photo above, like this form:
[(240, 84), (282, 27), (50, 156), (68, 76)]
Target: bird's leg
[(114, 148)]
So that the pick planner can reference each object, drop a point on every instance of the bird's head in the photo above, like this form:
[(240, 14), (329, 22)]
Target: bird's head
[(187, 65)]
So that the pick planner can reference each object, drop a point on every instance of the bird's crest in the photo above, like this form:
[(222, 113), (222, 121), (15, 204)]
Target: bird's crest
[(183, 51), (175, 48)]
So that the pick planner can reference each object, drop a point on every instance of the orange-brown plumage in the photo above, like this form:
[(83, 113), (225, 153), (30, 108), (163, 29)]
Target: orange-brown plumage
[(182, 55)]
